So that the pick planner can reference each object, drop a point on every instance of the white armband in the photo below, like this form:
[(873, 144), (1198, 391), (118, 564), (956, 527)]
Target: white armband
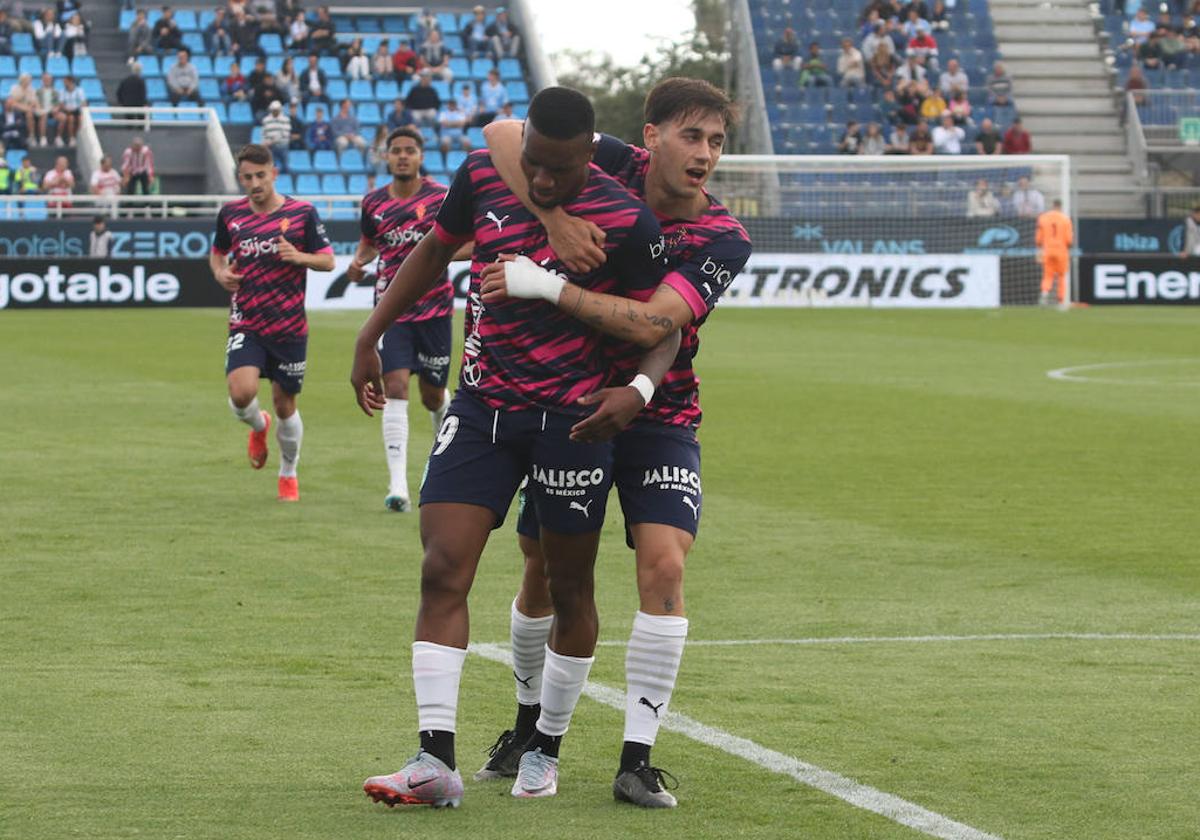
[(526, 279), (644, 386)]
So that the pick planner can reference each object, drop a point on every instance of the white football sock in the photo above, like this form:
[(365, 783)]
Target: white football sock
[(562, 683), (651, 664), (251, 415), (439, 414), (395, 441), (289, 431), (436, 671), (529, 637)]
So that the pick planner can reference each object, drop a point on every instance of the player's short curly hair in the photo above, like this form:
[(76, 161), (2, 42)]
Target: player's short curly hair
[(562, 113), (254, 153), (409, 132), (679, 97)]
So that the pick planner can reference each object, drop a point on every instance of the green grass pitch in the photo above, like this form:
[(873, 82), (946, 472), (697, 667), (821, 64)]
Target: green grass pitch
[(183, 657)]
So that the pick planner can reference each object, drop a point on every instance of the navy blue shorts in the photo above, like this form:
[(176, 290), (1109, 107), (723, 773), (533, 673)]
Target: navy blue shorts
[(280, 361), (420, 346), (657, 472), (481, 456)]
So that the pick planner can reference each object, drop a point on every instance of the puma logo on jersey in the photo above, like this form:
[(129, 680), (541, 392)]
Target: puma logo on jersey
[(584, 508), (499, 222), (377, 217), (687, 500)]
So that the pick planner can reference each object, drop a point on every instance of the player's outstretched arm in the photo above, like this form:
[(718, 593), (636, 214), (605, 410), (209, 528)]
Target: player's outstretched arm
[(616, 407), (413, 278), (644, 323), (576, 241)]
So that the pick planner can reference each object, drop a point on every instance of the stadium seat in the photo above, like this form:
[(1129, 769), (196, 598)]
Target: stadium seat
[(454, 160), (221, 65), (331, 66), (361, 91), (13, 156), (185, 19), (356, 184), (204, 18), (324, 161), (308, 184), (299, 161), (193, 42), (343, 211), (386, 90), (517, 91), (475, 136), (480, 68), (461, 68), (352, 161), (156, 88), (210, 91), (30, 64), (8, 67), (22, 43), (82, 66), (510, 70), (270, 43), (256, 134), (369, 114), (284, 184), (447, 22), (34, 211), (150, 65), (125, 21), (204, 65), (165, 112), (221, 110), (333, 184), (274, 64), (443, 89), (394, 24), (337, 90), (240, 113)]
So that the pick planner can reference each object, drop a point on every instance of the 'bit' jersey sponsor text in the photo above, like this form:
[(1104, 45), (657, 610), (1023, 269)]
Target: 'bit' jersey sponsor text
[(394, 226), (523, 352), (270, 299), (703, 255)]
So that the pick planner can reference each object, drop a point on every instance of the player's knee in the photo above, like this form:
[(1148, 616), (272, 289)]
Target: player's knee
[(242, 395), (285, 405), (660, 571), (442, 575), (571, 593), (432, 402)]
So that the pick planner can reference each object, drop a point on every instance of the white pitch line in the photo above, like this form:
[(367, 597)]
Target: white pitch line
[(1073, 373), (982, 637), (860, 796)]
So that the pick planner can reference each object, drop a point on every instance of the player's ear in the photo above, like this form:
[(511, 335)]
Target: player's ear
[(650, 136)]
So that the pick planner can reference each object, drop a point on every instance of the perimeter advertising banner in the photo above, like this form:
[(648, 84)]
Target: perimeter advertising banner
[(80, 284), (1139, 280)]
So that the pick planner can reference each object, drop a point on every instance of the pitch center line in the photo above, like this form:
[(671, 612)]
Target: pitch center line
[(860, 796), (980, 637)]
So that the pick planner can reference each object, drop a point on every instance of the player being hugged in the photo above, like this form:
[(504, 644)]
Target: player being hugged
[(394, 219), (525, 367), (657, 459), (264, 245)]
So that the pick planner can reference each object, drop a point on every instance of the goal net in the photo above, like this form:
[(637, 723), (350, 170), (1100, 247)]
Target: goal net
[(891, 230)]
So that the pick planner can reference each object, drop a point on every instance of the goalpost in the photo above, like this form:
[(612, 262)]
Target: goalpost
[(891, 230)]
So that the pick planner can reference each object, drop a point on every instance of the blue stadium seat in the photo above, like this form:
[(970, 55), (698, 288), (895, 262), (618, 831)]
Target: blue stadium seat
[(194, 42), (185, 19), (324, 161), (204, 65), (240, 113), (82, 66), (34, 211), (333, 184), (204, 18), (308, 184), (361, 90), (274, 64), (331, 66), (128, 16), (156, 88), (256, 134), (13, 156), (443, 89), (8, 67), (461, 68), (369, 114), (337, 90), (299, 161), (221, 65), (386, 90), (22, 43), (447, 22), (30, 64), (517, 91), (284, 184), (93, 90), (480, 68), (510, 70), (454, 160), (394, 24), (150, 65), (352, 161), (475, 135), (433, 161), (270, 43), (370, 44), (368, 24), (343, 211), (210, 91), (219, 106), (356, 184), (167, 115)]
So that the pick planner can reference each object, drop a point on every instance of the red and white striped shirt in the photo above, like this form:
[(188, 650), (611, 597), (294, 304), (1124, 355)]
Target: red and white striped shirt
[(135, 162), (106, 183)]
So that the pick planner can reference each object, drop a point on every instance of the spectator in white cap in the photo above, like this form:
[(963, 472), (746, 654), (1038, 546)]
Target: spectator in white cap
[(475, 35)]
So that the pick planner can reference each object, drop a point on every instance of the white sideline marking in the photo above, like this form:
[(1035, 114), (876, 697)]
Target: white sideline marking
[(982, 637), (1073, 373), (861, 796)]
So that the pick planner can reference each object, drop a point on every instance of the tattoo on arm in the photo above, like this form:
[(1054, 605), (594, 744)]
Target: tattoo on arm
[(578, 303), (661, 321)]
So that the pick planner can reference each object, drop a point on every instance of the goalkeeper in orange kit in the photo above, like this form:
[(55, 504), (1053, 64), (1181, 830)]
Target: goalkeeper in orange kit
[(1055, 236)]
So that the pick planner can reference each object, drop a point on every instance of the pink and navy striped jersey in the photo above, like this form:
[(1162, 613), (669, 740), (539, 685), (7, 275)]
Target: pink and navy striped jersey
[(394, 226), (703, 255), (270, 300), (520, 353)]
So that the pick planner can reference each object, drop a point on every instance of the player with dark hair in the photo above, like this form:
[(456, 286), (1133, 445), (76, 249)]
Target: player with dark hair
[(657, 459), (394, 219), (264, 245), (516, 413)]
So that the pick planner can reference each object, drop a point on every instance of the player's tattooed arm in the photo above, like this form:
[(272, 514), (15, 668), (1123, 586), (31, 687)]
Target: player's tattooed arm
[(223, 271), (577, 242), (616, 407)]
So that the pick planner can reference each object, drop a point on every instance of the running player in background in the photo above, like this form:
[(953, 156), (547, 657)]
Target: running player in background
[(394, 219), (1055, 236), (264, 245), (657, 459), (525, 366)]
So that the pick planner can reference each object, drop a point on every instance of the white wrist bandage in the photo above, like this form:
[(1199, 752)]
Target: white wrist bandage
[(644, 386), (526, 279)]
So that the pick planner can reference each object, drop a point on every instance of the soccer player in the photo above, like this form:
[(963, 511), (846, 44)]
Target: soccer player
[(524, 368), (264, 246), (1055, 236), (394, 219), (657, 459)]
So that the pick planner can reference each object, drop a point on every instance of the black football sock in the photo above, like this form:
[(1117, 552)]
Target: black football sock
[(439, 744), (548, 744), (634, 754)]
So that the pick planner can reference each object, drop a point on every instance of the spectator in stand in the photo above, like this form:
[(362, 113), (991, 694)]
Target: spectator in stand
[(370, 183), (399, 116), (183, 82), (425, 23), (452, 127), (131, 93), (6, 176), (322, 35), (932, 104), (346, 130), (65, 9), (59, 182), (72, 100), (263, 95), (6, 33), (895, 31), (257, 75), (381, 62), (100, 239), (47, 35), (475, 37), (264, 12), (878, 42), (920, 142), (939, 15), (296, 135), (947, 137), (468, 102), (504, 36), (105, 184), (423, 100), (954, 77), (244, 31), (908, 102), (814, 72), (786, 54), (320, 133), (988, 141), (1017, 140), (851, 140), (911, 70), (167, 36), (913, 23), (377, 154), (22, 99), (17, 18), (49, 107), (924, 47), (959, 107), (883, 71), (234, 87), (492, 97), (27, 180), (277, 134), (873, 142), (506, 113), (358, 66), (888, 108), (140, 41), (1027, 200), (75, 36), (405, 62), (981, 201), (313, 82), (999, 86), (287, 81), (298, 33), (435, 55), (13, 130), (1191, 242), (216, 35), (898, 140), (137, 167), (852, 70), (1141, 27)]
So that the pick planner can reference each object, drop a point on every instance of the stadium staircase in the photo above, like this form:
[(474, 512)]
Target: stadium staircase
[(1062, 85)]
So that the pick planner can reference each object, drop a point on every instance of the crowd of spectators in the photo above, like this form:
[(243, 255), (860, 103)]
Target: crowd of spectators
[(921, 99), (58, 30), (41, 114)]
